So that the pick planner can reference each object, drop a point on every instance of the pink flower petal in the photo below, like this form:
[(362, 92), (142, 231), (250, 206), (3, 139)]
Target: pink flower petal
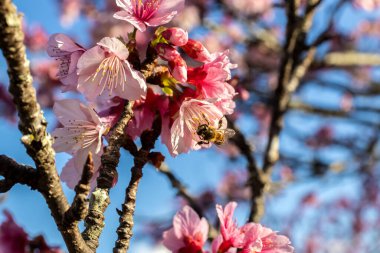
[(123, 15), (60, 44), (115, 46)]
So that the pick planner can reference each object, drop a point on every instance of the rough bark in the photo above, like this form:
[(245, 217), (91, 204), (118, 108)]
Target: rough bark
[(32, 123)]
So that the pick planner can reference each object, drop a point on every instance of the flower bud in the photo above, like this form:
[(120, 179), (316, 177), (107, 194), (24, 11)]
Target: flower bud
[(175, 36), (167, 52), (197, 51), (178, 69)]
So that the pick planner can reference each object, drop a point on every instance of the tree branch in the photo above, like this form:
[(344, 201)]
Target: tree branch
[(94, 222), (253, 182), (292, 69), (124, 231), (15, 173), (350, 58), (32, 123)]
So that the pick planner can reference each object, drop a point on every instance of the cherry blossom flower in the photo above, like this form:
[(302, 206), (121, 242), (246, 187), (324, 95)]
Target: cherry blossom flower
[(144, 112), (82, 127), (252, 240), (231, 233), (211, 78), (191, 115), (81, 133), (189, 232), (104, 69), (215, 246), (68, 53), (274, 243), (143, 13), (249, 238)]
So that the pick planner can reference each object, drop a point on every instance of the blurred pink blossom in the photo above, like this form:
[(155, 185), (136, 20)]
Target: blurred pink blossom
[(189, 18), (70, 11), (143, 13), (8, 108), (189, 232), (250, 7), (233, 185), (367, 5), (347, 102), (322, 137), (13, 239), (104, 69), (36, 38), (274, 243)]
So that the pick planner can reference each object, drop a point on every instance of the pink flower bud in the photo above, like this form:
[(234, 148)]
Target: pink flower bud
[(176, 36), (167, 52), (178, 69), (197, 51)]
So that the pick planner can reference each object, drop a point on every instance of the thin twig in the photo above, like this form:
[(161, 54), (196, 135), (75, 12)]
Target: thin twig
[(292, 69), (15, 173), (254, 180), (181, 189), (94, 221), (124, 231)]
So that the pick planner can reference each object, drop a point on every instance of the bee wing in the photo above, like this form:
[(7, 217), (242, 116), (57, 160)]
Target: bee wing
[(228, 133)]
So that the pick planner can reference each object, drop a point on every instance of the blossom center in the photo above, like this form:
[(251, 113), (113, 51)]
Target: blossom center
[(145, 10), (110, 74), (82, 131)]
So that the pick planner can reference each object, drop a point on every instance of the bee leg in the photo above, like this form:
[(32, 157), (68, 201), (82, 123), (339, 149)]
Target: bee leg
[(205, 118), (220, 122), (202, 142)]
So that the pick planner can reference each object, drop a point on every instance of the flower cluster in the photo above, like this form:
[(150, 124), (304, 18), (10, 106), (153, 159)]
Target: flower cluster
[(189, 234), (180, 80)]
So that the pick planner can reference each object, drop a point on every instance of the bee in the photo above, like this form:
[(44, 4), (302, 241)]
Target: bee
[(208, 133)]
